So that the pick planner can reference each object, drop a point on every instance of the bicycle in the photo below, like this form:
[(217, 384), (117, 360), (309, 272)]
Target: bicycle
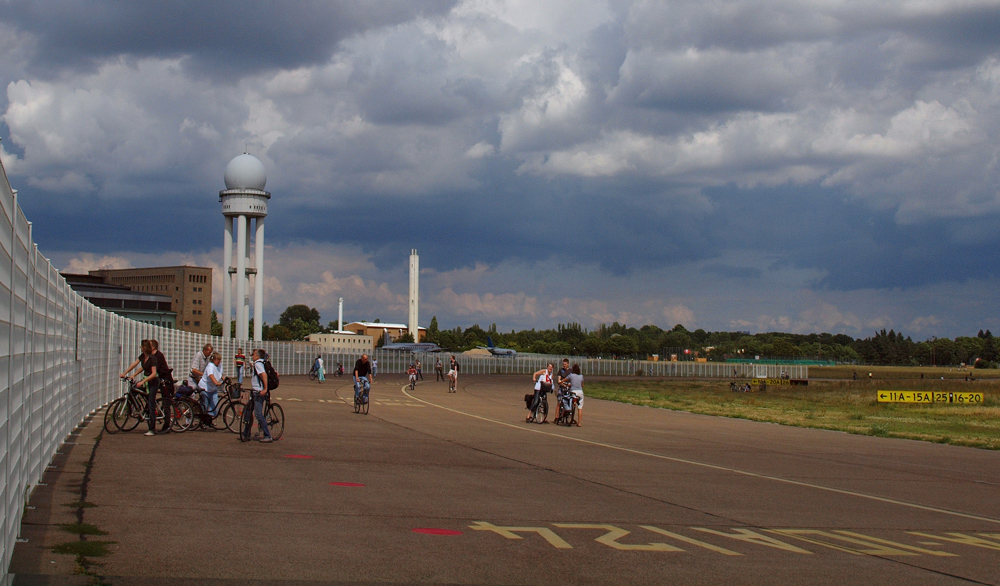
[(313, 373), (361, 397), (273, 414), (568, 406), (133, 407), (229, 407), (541, 410)]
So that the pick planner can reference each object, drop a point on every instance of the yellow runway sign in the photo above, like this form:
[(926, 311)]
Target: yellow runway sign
[(905, 397), (927, 397)]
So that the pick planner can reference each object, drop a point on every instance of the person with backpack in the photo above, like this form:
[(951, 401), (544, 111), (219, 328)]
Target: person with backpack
[(260, 383)]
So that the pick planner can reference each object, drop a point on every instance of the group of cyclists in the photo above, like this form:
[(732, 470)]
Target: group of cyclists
[(205, 375), (568, 386)]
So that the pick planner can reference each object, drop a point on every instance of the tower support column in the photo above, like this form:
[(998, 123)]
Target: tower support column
[(227, 276), (258, 282), (241, 269), (414, 294)]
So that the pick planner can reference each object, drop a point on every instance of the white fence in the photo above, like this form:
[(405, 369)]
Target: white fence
[(60, 358)]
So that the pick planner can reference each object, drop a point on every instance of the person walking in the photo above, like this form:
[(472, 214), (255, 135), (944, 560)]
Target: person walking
[(258, 383), (438, 370), (319, 369), (374, 364), (241, 361), (420, 371)]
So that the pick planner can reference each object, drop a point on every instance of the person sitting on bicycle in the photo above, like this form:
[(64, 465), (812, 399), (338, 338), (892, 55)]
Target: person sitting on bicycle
[(543, 385), (362, 370), (209, 385), (412, 372), (150, 384), (340, 369), (575, 380), (259, 394)]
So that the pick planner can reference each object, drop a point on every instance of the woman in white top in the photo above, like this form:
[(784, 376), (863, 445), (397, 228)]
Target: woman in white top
[(576, 387), (209, 385), (543, 385)]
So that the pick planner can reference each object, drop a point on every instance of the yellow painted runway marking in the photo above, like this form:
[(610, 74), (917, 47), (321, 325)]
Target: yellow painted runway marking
[(751, 536), (690, 540), (511, 533), (714, 466), (613, 534), (964, 539), (868, 545)]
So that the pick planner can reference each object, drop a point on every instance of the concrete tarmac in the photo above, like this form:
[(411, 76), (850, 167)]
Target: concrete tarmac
[(434, 487)]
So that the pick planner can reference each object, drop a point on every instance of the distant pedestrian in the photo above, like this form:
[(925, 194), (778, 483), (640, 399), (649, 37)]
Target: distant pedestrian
[(438, 370), (319, 369), (869, 377), (374, 368), (241, 362), (420, 371)]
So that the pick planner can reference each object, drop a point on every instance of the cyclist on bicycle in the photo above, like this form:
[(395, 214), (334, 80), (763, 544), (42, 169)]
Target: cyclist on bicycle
[(148, 362), (412, 372), (575, 380), (362, 370), (259, 395)]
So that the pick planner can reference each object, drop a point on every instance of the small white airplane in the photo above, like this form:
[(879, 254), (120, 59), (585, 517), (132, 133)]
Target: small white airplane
[(497, 351)]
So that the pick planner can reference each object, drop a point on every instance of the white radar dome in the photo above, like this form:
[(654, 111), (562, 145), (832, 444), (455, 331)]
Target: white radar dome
[(245, 172)]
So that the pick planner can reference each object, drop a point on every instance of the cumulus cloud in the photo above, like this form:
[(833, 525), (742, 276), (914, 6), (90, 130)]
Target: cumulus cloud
[(808, 153)]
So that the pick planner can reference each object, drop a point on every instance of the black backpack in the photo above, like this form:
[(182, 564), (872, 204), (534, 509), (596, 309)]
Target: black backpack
[(272, 375)]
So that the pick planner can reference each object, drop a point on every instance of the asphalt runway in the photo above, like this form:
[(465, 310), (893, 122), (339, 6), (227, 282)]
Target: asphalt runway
[(440, 488)]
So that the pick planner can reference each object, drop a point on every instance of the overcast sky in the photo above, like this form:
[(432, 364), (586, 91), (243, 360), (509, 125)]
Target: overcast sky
[(729, 165)]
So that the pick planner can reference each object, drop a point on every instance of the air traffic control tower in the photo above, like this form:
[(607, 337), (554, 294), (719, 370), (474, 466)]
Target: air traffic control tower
[(243, 200)]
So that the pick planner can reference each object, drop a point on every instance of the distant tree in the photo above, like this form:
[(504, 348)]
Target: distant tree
[(216, 324), (433, 327), (406, 338), (303, 312)]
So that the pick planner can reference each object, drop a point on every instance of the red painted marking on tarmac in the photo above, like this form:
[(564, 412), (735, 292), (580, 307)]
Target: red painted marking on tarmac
[(433, 531), (298, 456), (346, 484)]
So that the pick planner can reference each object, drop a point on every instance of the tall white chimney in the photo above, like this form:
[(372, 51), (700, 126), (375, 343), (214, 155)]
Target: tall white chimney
[(414, 293), (340, 315)]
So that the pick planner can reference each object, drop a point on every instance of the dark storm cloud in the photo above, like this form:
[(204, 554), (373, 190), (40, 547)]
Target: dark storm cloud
[(228, 38)]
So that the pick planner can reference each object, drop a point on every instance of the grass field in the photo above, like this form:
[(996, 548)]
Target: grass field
[(842, 405), (846, 372)]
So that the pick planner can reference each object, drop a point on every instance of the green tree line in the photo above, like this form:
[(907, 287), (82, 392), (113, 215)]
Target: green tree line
[(621, 341)]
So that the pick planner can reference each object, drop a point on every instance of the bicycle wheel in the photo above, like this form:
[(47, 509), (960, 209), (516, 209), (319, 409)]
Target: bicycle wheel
[(129, 413), (312, 375), (246, 423), (232, 415), (109, 417), (275, 421), (181, 416), (357, 402)]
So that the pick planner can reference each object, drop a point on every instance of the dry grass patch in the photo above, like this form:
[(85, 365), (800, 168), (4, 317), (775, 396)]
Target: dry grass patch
[(837, 405)]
